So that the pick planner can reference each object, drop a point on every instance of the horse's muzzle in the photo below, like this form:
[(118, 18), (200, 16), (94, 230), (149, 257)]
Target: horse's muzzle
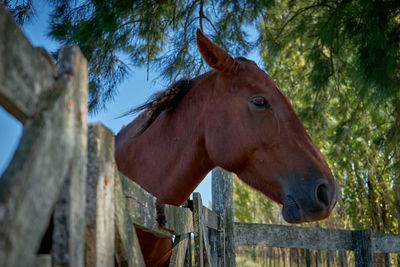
[(309, 200)]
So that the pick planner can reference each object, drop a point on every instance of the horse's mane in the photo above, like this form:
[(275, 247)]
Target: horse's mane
[(160, 101)]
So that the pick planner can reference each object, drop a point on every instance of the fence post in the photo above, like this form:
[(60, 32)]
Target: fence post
[(198, 229), (308, 258), (101, 175), (328, 260), (69, 215), (341, 258), (363, 251), (188, 256), (42, 260), (222, 199)]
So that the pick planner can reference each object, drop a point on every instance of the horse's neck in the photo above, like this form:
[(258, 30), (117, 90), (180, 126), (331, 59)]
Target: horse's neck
[(169, 159)]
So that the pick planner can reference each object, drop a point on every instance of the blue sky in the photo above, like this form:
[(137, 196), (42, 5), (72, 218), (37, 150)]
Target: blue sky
[(134, 91)]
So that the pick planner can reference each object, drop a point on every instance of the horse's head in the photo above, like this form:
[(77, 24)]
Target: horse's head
[(258, 135)]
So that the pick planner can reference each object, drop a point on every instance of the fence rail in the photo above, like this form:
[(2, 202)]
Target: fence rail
[(364, 243), (269, 235), (65, 167)]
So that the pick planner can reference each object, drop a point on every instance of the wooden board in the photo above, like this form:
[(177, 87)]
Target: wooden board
[(211, 219), (177, 220), (127, 249), (102, 172), (198, 229), (142, 207), (26, 72), (385, 243), (179, 253), (222, 199), (69, 216), (52, 148), (270, 235)]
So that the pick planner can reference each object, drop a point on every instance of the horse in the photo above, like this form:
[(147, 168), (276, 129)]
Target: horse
[(234, 117)]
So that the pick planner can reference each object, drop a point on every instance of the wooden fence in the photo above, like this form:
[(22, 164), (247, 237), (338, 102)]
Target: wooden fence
[(65, 169), (364, 243)]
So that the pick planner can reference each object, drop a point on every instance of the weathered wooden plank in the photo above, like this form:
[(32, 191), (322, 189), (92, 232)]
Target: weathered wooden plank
[(69, 215), (198, 230), (213, 243), (265, 235), (102, 171), (146, 215), (208, 261), (363, 253), (222, 199), (220, 244), (25, 72), (308, 258), (211, 219), (179, 253), (211, 235), (42, 260), (386, 243), (142, 207), (175, 219), (309, 238), (127, 246), (188, 256), (53, 146)]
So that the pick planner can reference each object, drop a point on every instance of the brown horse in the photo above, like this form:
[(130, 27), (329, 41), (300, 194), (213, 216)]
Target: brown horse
[(235, 117)]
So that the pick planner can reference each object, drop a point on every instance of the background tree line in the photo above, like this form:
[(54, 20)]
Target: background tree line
[(338, 61)]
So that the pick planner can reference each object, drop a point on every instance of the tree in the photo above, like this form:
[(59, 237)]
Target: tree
[(252, 206), (23, 11), (339, 61)]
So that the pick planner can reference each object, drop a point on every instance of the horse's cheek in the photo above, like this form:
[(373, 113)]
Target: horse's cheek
[(227, 148)]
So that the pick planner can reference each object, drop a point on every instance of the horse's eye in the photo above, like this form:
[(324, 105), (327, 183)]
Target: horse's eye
[(260, 103)]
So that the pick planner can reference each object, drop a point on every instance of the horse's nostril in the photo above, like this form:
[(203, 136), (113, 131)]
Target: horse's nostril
[(322, 194)]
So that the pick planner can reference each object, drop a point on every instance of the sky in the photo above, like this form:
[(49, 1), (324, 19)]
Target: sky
[(133, 92)]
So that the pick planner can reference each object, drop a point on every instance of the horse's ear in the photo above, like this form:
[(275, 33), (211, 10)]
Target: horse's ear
[(216, 57)]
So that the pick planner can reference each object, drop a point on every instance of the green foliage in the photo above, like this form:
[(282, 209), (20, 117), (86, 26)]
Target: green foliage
[(339, 61), (23, 11), (253, 206), (360, 39)]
